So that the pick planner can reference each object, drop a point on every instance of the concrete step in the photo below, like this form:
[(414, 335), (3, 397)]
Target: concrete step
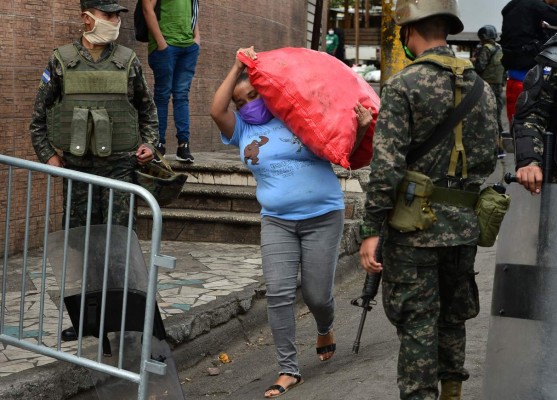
[(242, 199), (218, 202), (212, 197), (202, 226), (186, 225)]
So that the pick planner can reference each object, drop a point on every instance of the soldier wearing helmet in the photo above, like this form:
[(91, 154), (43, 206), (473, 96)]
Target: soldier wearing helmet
[(94, 113), (429, 290), (487, 63)]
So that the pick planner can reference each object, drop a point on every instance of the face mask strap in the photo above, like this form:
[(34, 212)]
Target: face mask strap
[(408, 53), (88, 13), (404, 40)]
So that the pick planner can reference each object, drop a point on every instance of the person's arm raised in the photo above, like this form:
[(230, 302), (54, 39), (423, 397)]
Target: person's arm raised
[(220, 112)]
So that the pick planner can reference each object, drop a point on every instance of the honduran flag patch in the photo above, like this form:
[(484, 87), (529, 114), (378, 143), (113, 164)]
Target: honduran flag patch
[(46, 76)]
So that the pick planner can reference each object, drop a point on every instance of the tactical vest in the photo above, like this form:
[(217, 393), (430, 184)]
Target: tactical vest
[(94, 115), (494, 71)]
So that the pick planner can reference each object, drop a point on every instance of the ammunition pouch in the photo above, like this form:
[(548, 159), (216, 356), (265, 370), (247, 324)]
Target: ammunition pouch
[(80, 133), (90, 132), (490, 210), (412, 210)]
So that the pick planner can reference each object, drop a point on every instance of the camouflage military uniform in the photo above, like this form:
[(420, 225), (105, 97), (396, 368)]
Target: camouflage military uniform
[(488, 66), (118, 165), (428, 276), (536, 109)]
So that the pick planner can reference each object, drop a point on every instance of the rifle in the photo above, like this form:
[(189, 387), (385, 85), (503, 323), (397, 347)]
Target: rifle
[(371, 286), (367, 299)]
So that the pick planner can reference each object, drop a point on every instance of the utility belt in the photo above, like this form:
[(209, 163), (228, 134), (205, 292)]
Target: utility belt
[(454, 197), (416, 192)]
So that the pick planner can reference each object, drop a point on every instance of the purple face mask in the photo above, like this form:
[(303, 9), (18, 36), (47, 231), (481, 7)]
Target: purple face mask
[(255, 112)]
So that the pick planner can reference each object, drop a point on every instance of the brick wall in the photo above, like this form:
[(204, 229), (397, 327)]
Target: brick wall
[(32, 28)]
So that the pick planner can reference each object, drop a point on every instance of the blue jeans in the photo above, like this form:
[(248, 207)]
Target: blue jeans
[(312, 245), (173, 69)]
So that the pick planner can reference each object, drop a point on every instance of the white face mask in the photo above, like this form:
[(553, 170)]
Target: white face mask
[(104, 32), (331, 32)]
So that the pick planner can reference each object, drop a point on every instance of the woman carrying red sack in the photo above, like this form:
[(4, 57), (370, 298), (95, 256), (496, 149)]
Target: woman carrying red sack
[(302, 215)]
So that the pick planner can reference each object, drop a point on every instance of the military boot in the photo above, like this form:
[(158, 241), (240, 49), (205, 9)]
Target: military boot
[(450, 390)]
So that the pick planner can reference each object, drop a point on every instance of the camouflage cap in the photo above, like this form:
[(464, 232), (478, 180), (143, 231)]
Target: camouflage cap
[(103, 5)]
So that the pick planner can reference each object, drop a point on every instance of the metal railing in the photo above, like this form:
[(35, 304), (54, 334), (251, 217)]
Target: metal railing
[(43, 290)]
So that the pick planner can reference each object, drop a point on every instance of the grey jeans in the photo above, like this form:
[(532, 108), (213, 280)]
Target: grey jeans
[(312, 245)]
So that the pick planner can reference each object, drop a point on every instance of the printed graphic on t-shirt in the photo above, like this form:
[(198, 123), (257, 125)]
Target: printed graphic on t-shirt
[(294, 140), (285, 168), (251, 151)]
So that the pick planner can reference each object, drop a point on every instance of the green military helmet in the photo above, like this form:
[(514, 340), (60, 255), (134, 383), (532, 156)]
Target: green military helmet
[(408, 11), (161, 181), (487, 32), (103, 5)]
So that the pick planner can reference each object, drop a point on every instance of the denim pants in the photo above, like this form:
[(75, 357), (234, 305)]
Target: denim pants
[(173, 69), (312, 245)]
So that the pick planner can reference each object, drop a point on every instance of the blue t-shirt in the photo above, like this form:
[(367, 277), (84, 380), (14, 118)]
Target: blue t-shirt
[(292, 182)]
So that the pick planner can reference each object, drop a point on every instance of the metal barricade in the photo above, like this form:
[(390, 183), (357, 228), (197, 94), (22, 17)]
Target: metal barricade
[(148, 367)]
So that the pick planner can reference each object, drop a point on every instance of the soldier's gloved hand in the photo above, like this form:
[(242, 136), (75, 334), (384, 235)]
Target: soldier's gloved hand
[(531, 177), (144, 155)]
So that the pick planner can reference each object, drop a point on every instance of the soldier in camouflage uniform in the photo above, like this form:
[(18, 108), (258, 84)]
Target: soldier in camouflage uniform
[(95, 49), (535, 114), (429, 289), (488, 65)]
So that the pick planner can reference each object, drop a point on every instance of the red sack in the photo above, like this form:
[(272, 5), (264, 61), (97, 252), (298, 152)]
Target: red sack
[(314, 94)]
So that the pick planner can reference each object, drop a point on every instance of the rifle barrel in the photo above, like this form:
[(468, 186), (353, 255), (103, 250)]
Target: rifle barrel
[(356, 345)]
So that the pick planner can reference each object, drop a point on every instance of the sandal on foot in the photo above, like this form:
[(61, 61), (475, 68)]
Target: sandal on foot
[(281, 389), (329, 348)]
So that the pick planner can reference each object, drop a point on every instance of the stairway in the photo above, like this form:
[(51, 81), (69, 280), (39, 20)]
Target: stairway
[(218, 202)]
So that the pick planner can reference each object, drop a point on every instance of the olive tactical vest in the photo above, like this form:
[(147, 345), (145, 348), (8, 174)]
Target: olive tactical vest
[(494, 71), (94, 115)]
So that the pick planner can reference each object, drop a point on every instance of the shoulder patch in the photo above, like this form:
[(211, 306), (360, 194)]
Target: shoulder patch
[(45, 78)]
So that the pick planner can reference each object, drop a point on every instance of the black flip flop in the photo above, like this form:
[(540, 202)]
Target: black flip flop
[(330, 348), (281, 389)]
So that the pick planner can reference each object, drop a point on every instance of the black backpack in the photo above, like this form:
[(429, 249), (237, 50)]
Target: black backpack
[(139, 24)]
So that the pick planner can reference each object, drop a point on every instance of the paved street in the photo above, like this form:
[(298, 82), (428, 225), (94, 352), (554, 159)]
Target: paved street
[(370, 374)]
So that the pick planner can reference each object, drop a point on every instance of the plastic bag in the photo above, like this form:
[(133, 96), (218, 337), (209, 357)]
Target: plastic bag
[(314, 94)]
